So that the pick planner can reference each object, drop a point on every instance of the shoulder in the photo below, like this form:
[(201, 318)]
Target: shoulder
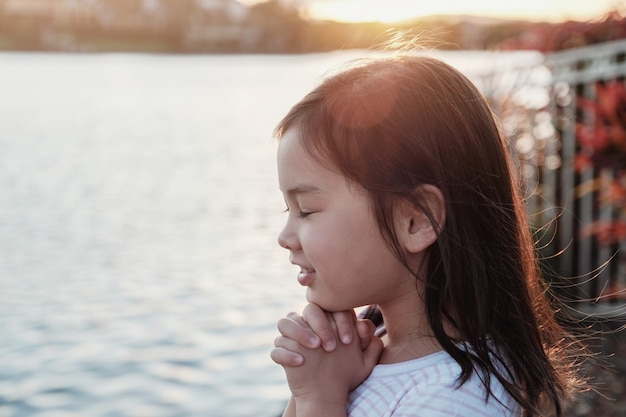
[(449, 398), (428, 387)]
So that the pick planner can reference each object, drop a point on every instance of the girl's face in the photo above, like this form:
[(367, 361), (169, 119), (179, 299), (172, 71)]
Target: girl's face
[(333, 237)]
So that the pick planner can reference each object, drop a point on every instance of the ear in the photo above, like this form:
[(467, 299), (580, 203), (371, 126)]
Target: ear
[(416, 230)]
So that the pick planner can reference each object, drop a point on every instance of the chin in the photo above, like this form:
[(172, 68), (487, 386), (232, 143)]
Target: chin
[(331, 307)]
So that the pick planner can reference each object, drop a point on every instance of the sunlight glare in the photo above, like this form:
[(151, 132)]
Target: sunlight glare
[(390, 11), (370, 10)]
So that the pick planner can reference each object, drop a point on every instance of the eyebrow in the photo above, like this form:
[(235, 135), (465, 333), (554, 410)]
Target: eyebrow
[(302, 189)]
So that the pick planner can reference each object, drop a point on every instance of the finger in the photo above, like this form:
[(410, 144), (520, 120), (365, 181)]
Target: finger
[(289, 345), (345, 321), (296, 317), (286, 357), (365, 329), (298, 330), (322, 324), (372, 352)]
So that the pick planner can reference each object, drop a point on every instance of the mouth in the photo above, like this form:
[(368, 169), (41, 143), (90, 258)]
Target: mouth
[(305, 277)]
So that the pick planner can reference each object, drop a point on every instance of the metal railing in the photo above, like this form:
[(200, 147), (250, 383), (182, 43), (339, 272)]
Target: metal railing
[(588, 189), (566, 118)]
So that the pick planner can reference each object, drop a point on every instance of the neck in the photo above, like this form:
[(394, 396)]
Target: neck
[(408, 334)]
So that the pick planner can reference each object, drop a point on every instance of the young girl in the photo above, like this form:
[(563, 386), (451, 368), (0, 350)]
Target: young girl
[(401, 194)]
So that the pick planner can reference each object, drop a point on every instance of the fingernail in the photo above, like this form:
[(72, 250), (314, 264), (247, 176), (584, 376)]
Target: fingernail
[(329, 346), (314, 341), (346, 339), (298, 360)]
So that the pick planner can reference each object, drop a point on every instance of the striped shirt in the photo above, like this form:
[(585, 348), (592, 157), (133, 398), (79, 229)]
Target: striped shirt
[(427, 387)]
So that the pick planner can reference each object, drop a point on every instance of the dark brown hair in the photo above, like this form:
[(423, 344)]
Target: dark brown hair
[(393, 123)]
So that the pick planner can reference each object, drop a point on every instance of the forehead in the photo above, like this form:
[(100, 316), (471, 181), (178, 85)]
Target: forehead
[(297, 168), (290, 147), (292, 159)]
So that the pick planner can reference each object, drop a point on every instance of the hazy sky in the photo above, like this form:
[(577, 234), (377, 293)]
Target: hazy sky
[(392, 10)]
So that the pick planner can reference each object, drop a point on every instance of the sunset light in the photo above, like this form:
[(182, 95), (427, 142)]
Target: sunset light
[(390, 11)]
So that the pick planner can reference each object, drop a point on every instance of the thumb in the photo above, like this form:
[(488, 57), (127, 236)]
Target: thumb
[(365, 329), (371, 354)]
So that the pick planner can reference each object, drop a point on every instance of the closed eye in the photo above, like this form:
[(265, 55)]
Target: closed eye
[(301, 214)]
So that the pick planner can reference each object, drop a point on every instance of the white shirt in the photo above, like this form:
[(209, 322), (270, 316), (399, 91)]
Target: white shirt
[(427, 387)]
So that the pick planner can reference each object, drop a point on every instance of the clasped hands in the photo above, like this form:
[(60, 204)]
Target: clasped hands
[(325, 355)]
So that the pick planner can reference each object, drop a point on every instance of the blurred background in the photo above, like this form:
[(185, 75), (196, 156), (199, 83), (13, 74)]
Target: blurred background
[(139, 206)]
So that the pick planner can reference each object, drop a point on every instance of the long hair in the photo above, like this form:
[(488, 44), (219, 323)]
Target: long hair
[(393, 123)]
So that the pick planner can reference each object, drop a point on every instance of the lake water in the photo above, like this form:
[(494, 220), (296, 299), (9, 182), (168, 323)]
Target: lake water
[(139, 208)]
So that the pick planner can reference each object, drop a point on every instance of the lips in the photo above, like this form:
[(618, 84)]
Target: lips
[(305, 277)]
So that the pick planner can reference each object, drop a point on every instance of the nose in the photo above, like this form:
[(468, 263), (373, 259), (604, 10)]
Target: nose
[(287, 237)]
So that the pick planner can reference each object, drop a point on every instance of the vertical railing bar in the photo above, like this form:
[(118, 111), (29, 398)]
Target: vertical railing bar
[(565, 223), (586, 201), (620, 274), (605, 218), (552, 164)]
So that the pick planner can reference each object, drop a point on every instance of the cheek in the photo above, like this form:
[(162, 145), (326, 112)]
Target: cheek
[(326, 244), (318, 239)]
